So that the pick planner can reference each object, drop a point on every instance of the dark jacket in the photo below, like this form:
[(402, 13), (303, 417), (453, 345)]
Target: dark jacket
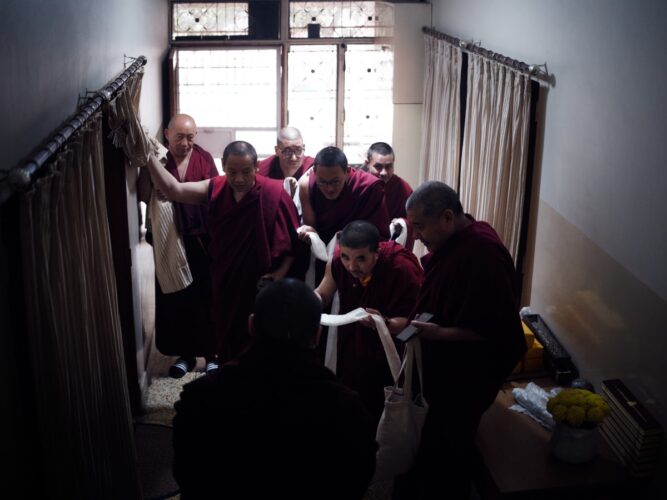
[(273, 424)]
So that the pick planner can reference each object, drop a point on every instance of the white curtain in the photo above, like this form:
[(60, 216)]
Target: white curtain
[(441, 120), (495, 147), (84, 419)]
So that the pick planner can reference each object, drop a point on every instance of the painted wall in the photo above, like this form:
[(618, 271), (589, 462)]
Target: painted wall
[(599, 241), (52, 53), (408, 45)]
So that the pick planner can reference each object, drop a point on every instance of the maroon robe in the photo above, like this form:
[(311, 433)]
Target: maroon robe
[(395, 282), (469, 283), (362, 198), (270, 167), (248, 239), (182, 319), (396, 193), (191, 219)]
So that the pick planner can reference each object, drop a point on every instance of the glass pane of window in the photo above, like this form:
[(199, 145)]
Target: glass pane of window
[(368, 98), (233, 88), (311, 97), (263, 140), (254, 20), (209, 19), (341, 19)]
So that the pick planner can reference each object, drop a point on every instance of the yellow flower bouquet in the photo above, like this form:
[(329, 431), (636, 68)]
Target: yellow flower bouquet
[(578, 408)]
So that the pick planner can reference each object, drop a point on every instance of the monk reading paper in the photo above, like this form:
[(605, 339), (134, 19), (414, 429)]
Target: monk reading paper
[(469, 347)]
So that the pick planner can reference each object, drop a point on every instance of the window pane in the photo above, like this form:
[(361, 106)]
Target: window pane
[(312, 94), (263, 140), (341, 19), (368, 98), (209, 19), (234, 88), (254, 20)]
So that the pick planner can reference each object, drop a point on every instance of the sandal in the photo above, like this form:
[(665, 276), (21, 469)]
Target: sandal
[(211, 367), (180, 368)]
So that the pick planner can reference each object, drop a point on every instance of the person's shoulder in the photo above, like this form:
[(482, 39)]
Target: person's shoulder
[(265, 165), (308, 161), (483, 233), (397, 256), (201, 151), (404, 184), (363, 181), (483, 242), (216, 186)]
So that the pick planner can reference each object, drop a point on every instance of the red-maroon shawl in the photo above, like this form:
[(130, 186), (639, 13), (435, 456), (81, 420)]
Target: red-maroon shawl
[(191, 219), (362, 198), (248, 239)]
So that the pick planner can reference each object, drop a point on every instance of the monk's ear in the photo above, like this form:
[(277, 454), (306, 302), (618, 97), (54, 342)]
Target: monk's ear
[(446, 217), (166, 134), (251, 325), (257, 165)]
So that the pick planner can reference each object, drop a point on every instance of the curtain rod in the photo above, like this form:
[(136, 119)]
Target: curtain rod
[(533, 70), (20, 178)]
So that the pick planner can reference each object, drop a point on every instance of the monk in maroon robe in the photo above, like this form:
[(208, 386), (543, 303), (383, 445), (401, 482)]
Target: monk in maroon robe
[(290, 159), (182, 320), (334, 195), (472, 342), (252, 226), (384, 278), (380, 162)]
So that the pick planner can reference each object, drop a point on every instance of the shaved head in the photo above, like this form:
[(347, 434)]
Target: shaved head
[(289, 134), (180, 134), (181, 120), (434, 198)]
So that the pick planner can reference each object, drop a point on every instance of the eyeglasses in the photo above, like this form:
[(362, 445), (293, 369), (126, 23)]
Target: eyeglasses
[(333, 183), (288, 152)]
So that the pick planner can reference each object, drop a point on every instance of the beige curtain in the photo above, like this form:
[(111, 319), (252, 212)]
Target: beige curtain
[(495, 147), (74, 329), (124, 122), (441, 119)]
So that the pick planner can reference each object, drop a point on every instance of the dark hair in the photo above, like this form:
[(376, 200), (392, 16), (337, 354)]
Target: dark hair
[(434, 197), (381, 148), (288, 311), (331, 156), (360, 234), (239, 148)]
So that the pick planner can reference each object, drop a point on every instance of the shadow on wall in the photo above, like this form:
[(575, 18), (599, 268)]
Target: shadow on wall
[(610, 322)]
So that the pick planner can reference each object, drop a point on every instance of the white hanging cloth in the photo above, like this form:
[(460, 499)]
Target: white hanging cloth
[(334, 320)]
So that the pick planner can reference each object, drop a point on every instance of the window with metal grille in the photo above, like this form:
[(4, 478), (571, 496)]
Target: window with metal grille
[(335, 87)]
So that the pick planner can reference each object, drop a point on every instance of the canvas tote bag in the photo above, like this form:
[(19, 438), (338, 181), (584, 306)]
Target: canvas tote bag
[(399, 431)]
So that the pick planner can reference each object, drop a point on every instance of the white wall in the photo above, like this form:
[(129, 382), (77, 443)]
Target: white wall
[(408, 45), (599, 240), (54, 51)]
